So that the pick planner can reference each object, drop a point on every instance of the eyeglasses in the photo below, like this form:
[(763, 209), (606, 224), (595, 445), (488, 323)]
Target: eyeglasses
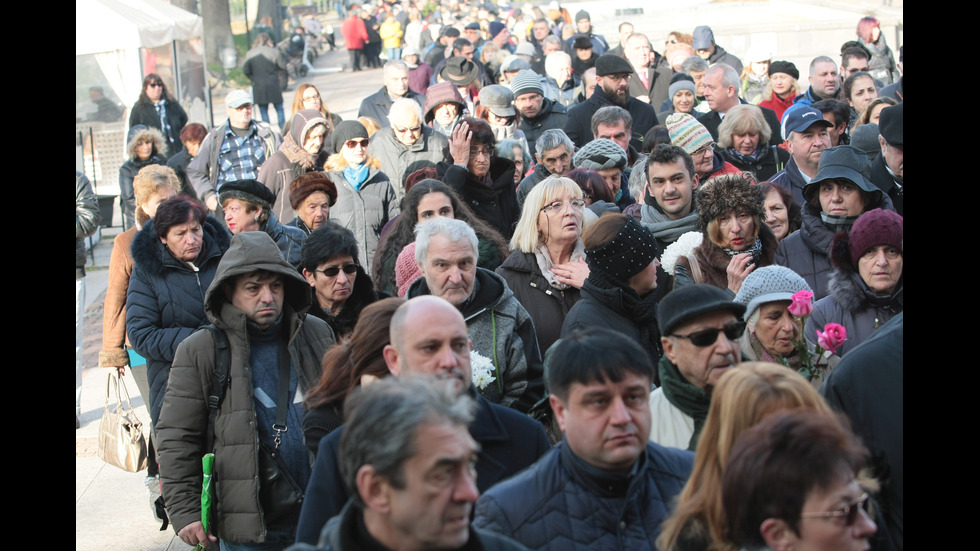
[(707, 337), (485, 151), (157, 84), (332, 271), (351, 144), (848, 512), (412, 129), (310, 98), (557, 207), (704, 149)]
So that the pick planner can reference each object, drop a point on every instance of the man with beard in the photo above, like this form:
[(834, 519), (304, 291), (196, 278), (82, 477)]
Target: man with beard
[(613, 75), (429, 337), (538, 113), (700, 327)]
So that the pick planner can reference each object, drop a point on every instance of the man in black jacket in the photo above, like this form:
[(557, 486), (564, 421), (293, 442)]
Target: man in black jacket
[(888, 169), (721, 85), (378, 104)]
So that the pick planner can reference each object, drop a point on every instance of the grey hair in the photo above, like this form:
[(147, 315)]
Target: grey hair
[(550, 39), (694, 64), (384, 418), (729, 76), (454, 230), (552, 138), (610, 115), (820, 59), (754, 318), (403, 106), (395, 64), (551, 63)]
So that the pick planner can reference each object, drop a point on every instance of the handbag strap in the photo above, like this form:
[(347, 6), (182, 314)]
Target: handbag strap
[(282, 404), (115, 380)]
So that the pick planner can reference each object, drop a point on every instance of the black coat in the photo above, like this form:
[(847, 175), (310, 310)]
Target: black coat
[(509, 442), (176, 117), (263, 66), (579, 124), (179, 163), (886, 183), (496, 205)]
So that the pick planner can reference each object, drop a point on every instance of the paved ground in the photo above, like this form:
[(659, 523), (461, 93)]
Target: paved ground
[(111, 506)]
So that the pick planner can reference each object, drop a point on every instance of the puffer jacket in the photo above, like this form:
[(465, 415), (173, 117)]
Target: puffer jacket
[(852, 304), (165, 300), (399, 160), (807, 252), (502, 331), (546, 305), (278, 171), (183, 424), (289, 239), (365, 211), (497, 204), (554, 505)]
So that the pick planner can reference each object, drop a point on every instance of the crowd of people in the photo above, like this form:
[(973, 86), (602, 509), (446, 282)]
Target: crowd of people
[(545, 292)]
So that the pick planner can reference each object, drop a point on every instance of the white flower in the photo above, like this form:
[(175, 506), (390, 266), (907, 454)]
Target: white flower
[(684, 246), (482, 369)]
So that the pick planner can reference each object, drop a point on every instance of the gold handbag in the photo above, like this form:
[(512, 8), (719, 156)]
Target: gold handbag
[(121, 440)]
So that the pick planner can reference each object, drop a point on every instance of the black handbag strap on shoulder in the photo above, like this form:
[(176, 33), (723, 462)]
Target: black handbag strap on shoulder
[(219, 377)]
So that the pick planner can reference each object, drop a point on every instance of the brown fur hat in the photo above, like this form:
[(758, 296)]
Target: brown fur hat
[(726, 193)]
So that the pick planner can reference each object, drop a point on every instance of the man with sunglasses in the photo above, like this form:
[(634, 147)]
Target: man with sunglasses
[(407, 145), (700, 327)]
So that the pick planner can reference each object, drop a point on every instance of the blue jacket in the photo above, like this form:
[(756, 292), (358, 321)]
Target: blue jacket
[(165, 301), (551, 506)]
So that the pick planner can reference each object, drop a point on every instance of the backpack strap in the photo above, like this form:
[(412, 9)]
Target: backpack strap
[(219, 378)]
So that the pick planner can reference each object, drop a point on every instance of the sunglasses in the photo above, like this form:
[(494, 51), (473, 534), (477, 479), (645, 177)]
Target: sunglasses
[(412, 129), (351, 144), (707, 337), (156, 84), (848, 512), (332, 271)]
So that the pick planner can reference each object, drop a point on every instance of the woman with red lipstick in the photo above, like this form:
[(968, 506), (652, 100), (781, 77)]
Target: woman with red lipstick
[(736, 238), (866, 289)]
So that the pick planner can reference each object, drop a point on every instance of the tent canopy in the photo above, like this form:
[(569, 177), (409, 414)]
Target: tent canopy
[(107, 25)]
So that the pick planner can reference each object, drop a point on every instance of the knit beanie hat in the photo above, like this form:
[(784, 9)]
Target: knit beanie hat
[(495, 27), (308, 184), (687, 133), (347, 130), (784, 67), (525, 82), (629, 253), (406, 269), (599, 155), (873, 228), (582, 14), (680, 81), (769, 284), (247, 190)]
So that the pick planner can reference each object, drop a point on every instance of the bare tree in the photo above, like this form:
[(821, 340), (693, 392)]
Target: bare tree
[(271, 9), (217, 29)]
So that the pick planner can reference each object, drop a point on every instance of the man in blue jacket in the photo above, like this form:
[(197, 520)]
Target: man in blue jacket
[(605, 486)]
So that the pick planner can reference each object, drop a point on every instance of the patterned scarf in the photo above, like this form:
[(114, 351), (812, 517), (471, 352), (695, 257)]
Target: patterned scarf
[(755, 250), (296, 154)]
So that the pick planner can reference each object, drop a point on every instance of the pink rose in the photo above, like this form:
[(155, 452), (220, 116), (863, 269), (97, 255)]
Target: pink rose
[(802, 304), (832, 336)]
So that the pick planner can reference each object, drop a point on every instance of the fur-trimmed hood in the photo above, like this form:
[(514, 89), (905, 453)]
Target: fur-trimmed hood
[(337, 163), (144, 134), (852, 294), (152, 256)]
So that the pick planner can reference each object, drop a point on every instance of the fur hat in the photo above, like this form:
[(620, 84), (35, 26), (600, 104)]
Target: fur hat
[(690, 301), (526, 82), (347, 130), (600, 154), (769, 284), (582, 42), (308, 184), (873, 228), (687, 133), (247, 190), (728, 193)]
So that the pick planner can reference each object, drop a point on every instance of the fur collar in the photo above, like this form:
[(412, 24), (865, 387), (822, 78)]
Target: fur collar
[(852, 294), (151, 256)]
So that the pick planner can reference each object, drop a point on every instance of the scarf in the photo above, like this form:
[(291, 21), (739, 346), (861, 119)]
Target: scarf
[(665, 229), (838, 223), (755, 250), (545, 264), (749, 159), (686, 397), (793, 360), (296, 154), (504, 132), (356, 175)]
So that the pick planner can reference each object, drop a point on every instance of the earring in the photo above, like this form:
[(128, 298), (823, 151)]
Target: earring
[(256, 217)]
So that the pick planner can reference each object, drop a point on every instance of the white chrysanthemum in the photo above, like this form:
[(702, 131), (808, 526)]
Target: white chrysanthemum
[(684, 246), (482, 369)]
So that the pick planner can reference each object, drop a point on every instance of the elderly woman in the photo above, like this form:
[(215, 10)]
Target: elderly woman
[(146, 147), (301, 152), (311, 196), (767, 294), (516, 151), (690, 135), (497, 108), (175, 257), (192, 136), (341, 288), (547, 269), (424, 201), (622, 257), (351, 363), (308, 97), (744, 137), (840, 192), (859, 90), (866, 289), (782, 213), (247, 206), (735, 237), (791, 482), (366, 198), (443, 108), (482, 179), (782, 88), (742, 398)]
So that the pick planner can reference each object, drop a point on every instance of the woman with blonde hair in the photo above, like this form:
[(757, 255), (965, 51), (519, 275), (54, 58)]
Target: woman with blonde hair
[(547, 269), (782, 87), (744, 135), (743, 397)]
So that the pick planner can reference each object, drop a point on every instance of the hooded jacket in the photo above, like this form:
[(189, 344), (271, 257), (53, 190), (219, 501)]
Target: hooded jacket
[(182, 428), (501, 330), (399, 160), (579, 124), (165, 300), (278, 171), (366, 210), (497, 204), (722, 56)]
